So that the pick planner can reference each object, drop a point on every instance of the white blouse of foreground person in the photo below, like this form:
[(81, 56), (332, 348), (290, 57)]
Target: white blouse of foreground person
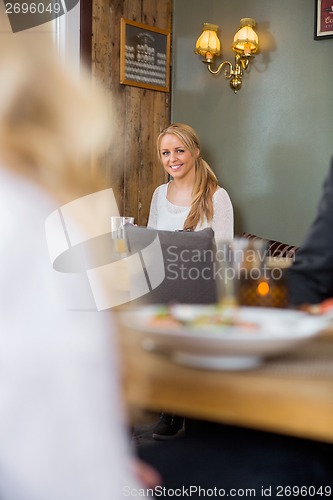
[(164, 215), (62, 430)]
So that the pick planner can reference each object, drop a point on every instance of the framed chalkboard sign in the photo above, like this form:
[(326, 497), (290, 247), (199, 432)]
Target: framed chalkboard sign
[(144, 56)]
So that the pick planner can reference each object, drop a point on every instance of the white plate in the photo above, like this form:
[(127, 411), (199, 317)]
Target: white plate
[(220, 346)]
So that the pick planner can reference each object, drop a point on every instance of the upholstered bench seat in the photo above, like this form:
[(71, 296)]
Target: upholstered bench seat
[(275, 248)]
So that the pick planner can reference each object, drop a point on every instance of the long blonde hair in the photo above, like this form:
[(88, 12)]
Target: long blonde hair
[(205, 183), (51, 121)]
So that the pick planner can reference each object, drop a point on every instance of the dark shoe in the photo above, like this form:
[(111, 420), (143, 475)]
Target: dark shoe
[(169, 427)]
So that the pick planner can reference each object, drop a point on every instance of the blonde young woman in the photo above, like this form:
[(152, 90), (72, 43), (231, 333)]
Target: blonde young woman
[(192, 200), (62, 430)]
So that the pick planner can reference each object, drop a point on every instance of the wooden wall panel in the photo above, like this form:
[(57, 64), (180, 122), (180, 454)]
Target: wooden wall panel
[(131, 165), (85, 31)]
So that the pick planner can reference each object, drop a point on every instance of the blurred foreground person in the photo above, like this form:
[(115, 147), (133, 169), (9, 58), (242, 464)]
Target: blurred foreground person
[(62, 428), (310, 279)]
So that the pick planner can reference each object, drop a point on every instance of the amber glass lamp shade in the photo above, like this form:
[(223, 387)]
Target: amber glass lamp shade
[(246, 39), (208, 43)]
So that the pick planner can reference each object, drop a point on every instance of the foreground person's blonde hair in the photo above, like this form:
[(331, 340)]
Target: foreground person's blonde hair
[(51, 122)]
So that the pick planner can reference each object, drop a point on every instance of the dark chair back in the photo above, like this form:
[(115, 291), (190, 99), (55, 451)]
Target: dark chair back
[(185, 259)]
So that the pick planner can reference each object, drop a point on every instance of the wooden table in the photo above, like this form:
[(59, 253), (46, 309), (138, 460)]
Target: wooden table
[(291, 395)]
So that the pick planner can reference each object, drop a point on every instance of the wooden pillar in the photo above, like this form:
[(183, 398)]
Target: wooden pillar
[(131, 164)]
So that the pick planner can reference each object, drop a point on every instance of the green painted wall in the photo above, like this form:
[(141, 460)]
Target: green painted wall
[(271, 143)]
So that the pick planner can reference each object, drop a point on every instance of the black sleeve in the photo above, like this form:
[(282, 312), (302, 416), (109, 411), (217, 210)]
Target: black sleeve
[(310, 279)]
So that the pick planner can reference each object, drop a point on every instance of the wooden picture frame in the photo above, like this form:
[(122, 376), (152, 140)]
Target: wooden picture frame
[(323, 26), (144, 56)]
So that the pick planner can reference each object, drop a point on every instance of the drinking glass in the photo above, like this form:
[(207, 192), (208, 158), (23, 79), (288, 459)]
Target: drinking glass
[(118, 234), (245, 277), (240, 264)]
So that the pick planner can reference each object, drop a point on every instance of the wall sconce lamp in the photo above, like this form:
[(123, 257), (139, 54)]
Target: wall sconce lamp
[(245, 44)]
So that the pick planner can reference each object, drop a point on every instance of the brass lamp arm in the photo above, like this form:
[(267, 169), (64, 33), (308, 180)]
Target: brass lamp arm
[(232, 73), (227, 73)]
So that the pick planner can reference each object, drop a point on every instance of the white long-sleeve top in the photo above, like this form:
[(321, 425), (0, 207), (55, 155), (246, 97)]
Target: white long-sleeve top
[(165, 215), (62, 429)]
